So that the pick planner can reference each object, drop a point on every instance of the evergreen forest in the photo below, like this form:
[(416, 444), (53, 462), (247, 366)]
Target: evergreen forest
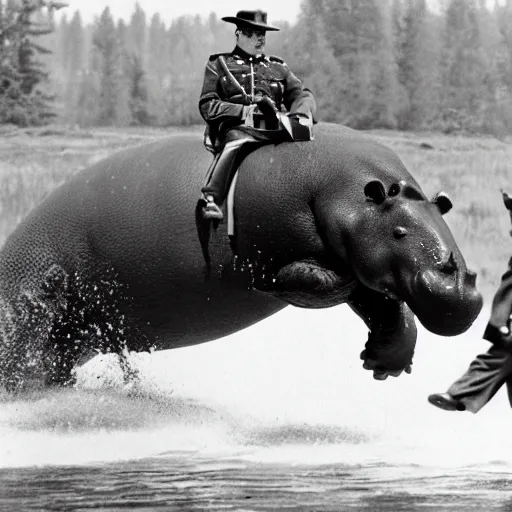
[(394, 64)]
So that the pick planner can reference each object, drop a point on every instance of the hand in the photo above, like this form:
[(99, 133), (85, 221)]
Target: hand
[(266, 107), (379, 371)]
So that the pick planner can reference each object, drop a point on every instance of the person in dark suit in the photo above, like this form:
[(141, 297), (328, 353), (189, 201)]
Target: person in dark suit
[(487, 372), (246, 88)]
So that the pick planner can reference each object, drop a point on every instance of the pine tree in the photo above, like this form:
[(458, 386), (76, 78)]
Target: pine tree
[(157, 68), (465, 84), (67, 65), (360, 35), (135, 46), (503, 64), (504, 16), (136, 41), (22, 73), (187, 44), (418, 62), (385, 101), (88, 98), (107, 63), (494, 53), (10, 78), (123, 113), (137, 91), (311, 58)]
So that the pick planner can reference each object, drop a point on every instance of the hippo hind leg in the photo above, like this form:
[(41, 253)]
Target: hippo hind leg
[(100, 319), (62, 349), (62, 355), (56, 321), (29, 326)]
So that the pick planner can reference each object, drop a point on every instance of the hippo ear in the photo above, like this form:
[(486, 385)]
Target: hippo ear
[(375, 191), (443, 202)]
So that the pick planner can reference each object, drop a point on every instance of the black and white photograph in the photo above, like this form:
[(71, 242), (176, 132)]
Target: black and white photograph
[(256, 255)]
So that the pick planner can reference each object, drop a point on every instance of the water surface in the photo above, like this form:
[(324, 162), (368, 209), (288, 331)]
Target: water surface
[(280, 416)]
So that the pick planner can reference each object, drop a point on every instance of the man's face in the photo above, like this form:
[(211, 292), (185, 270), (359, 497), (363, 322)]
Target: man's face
[(252, 41)]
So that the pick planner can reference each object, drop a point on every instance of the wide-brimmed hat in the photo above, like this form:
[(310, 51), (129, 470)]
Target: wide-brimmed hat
[(251, 19)]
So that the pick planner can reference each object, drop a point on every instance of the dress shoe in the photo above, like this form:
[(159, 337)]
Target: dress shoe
[(446, 402)]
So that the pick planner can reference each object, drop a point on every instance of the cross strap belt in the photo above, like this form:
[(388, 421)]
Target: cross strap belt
[(233, 80)]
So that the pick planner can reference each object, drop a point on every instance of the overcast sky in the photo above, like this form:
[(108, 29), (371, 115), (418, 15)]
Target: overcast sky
[(169, 9)]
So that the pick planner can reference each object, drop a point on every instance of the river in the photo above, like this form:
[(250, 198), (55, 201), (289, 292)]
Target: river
[(280, 416)]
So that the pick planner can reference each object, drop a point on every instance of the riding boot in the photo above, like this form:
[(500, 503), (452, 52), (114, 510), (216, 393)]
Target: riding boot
[(220, 174)]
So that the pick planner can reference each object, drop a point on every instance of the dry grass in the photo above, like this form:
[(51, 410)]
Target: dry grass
[(470, 170)]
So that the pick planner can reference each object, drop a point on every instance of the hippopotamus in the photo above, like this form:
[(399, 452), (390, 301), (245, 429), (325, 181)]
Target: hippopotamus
[(119, 259)]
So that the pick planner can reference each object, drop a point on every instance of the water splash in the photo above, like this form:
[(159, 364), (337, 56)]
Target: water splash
[(288, 390)]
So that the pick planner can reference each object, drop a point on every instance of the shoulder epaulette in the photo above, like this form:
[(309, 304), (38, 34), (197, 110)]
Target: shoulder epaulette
[(274, 58), (217, 55)]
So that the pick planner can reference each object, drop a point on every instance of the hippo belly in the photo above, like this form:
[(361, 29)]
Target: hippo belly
[(212, 316)]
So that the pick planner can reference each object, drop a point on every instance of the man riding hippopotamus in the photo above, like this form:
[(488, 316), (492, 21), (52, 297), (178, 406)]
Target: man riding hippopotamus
[(111, 260), (242, 97)]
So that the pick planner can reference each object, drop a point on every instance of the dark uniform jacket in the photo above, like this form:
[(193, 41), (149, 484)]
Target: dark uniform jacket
[(221, 101), (501, 308), (502, 302)]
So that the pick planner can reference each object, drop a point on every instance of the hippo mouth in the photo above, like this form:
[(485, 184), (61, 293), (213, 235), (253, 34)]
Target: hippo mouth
[(445, 299)]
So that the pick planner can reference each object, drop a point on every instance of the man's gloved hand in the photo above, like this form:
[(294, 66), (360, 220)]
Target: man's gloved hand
[(266, 107)]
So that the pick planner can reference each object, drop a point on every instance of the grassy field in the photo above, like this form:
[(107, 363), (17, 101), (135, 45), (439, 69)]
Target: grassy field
[(470, 170)]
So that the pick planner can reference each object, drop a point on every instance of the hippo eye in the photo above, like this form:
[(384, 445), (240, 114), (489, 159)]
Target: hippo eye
[(399, 232), (394, 190)]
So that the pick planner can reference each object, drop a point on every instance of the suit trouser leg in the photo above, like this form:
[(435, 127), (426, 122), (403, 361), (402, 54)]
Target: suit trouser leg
[(484, 377)]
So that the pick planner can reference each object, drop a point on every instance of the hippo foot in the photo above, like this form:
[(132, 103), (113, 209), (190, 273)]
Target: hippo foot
[(380, 372)]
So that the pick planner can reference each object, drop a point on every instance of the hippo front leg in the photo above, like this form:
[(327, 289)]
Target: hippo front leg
[(392, 338)]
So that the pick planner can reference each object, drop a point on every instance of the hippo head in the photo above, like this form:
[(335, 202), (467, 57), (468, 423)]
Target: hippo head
[(401, 246)]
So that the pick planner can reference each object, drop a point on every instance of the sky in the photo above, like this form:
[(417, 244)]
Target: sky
[(283, 10)]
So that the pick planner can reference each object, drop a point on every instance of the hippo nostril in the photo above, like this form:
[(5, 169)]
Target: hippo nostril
[(399, 232), (450, 266), (470, 278)]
